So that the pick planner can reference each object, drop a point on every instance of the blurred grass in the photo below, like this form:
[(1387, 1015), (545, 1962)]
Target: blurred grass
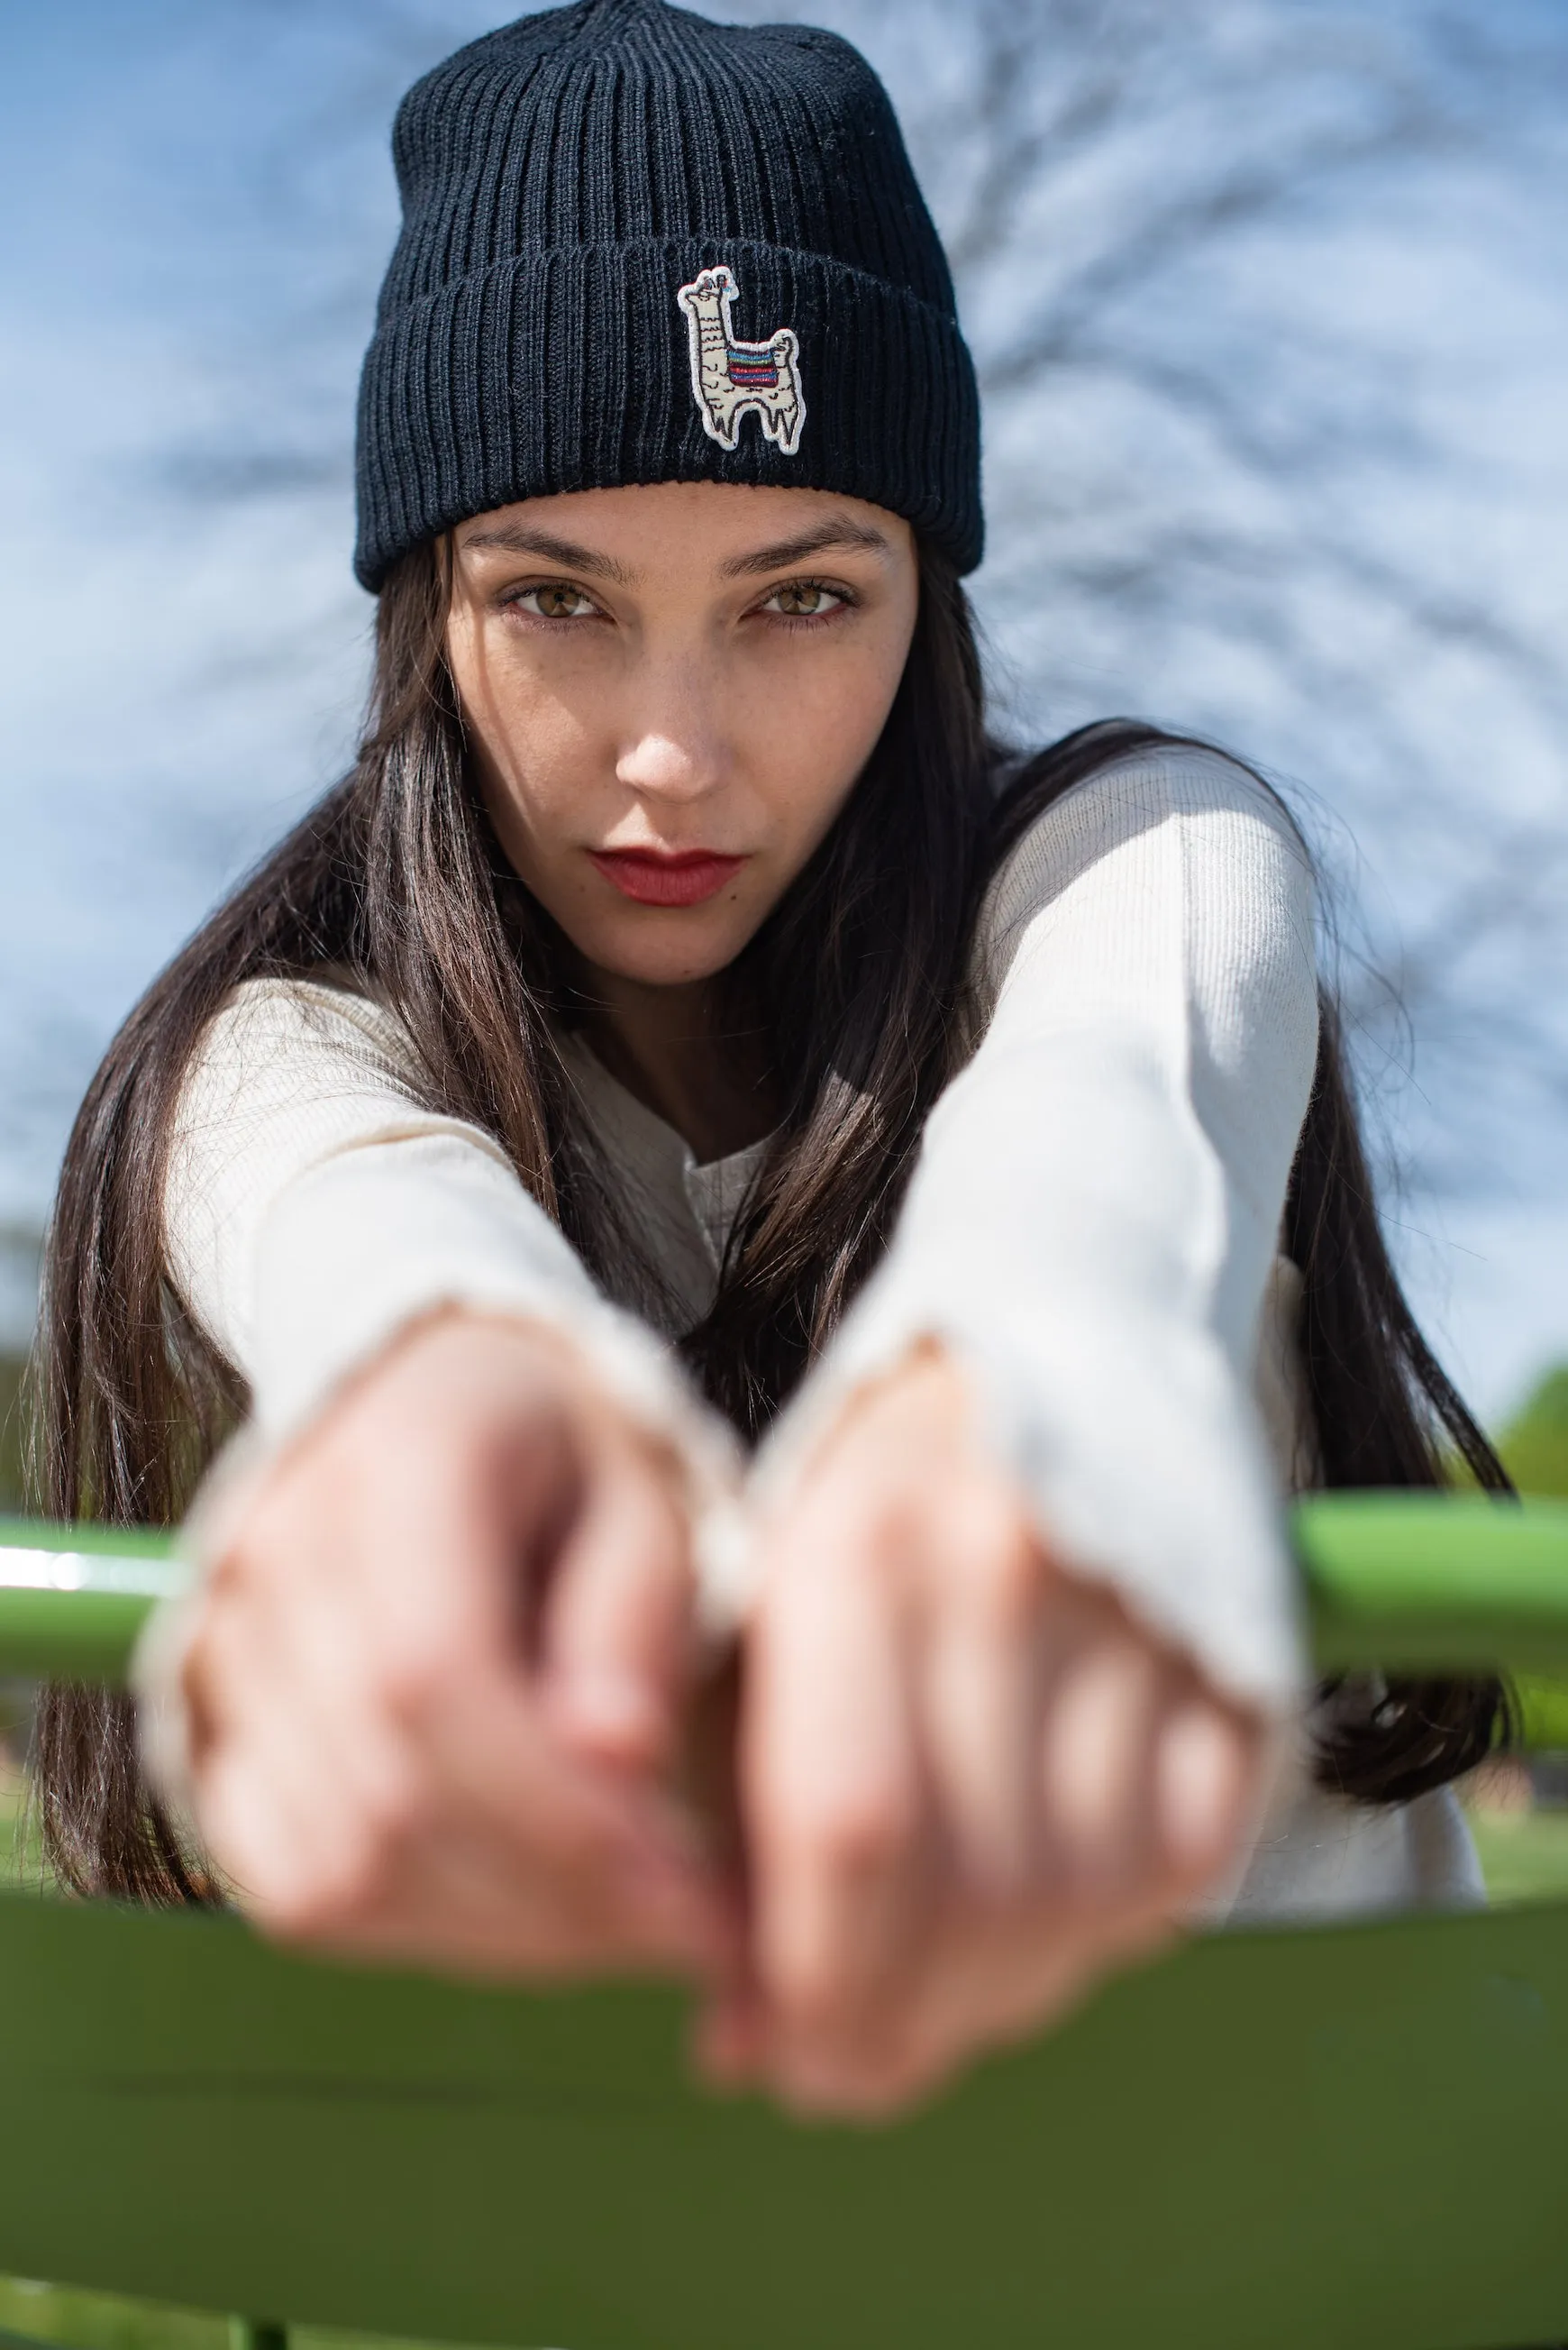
[(1524, 1854)]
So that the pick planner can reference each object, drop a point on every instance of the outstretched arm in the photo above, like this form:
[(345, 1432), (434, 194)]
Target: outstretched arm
[(1026, 1487), (423, 1697)]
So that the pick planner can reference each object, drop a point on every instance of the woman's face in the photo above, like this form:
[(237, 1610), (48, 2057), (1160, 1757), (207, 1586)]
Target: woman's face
[(670, 691)]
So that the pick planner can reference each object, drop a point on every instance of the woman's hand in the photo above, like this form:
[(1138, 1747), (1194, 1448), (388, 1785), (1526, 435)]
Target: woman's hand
[(968, 1782), (438, 1669)]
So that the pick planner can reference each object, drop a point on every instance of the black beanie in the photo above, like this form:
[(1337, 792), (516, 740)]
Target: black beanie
[(640, 246)]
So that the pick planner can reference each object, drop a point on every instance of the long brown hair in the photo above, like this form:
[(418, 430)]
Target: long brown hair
[(397, 881)]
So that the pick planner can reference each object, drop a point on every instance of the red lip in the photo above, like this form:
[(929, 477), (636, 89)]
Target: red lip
[(653, 878)]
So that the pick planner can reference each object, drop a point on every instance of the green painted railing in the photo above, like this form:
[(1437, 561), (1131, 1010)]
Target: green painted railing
[(1430, 1582), (1352, 2138), (73, 1599), (1418, 1582)]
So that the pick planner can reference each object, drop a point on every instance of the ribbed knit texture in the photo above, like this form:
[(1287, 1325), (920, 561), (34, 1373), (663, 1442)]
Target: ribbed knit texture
[(562, 179)]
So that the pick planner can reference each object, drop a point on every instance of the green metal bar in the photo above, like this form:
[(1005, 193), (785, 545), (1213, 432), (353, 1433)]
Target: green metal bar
[(1424, 1582), (73, 1599), (1416, 1582)]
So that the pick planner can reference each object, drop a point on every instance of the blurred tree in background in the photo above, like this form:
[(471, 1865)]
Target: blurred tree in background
[(1535, 1445)]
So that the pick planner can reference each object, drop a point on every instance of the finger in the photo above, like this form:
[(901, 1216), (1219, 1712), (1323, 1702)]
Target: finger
[(611, 1856), (1018, 1975), (731, 2038), (269, 1801), (373, 1852), (450, 1557), (430, 1660), (981, 1691), (350, 1829), (1014, 1973), (326, 1793), (1202, 1771), (1011, 1975), (832, 1801), (1097, 1763), (491, 1737), (618, 1638)]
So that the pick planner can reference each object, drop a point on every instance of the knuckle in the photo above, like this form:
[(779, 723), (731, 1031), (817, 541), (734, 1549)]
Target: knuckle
[(395, 1816), (853, 1833), (830, 2005), (415, 1673), (810, 1994), (267, 1536), (333, 1899), (368, 1441), (1008, 1573), (307, 1909), (396, 1440)]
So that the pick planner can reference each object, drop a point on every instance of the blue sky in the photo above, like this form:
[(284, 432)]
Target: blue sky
[(199, 202)]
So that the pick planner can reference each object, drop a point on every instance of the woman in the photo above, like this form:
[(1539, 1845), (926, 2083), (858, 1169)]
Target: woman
[(680, 963)]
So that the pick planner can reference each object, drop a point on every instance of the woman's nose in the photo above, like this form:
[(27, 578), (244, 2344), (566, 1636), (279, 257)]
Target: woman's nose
[(678, 753), (666, 767)]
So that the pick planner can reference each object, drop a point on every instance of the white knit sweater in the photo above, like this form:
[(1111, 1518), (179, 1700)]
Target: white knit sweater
[(1091, 1228)]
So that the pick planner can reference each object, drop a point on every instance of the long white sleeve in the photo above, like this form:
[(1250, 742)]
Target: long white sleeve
[(314, 1207), (1096, 1205)]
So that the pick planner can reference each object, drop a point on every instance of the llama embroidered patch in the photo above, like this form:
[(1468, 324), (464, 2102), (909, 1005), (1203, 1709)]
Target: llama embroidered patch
[(729, 377)]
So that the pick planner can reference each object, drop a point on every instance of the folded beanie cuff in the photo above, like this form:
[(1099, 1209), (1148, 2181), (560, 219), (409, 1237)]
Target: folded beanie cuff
[(571, 367)]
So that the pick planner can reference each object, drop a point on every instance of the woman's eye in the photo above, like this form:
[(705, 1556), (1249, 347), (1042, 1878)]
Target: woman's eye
[(555, 601), (804, 599)]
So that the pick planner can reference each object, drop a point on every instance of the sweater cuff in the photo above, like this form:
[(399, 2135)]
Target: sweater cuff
[(349, 1259), (1142, 1468)]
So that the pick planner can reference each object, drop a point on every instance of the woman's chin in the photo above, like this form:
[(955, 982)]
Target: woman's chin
[(663, 946)]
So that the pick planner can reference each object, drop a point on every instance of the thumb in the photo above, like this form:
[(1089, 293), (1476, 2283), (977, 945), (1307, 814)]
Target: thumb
[(617, 1628)]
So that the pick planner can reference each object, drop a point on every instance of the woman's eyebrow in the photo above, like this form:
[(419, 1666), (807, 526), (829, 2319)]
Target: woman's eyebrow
[(840, 532), (514, 539)]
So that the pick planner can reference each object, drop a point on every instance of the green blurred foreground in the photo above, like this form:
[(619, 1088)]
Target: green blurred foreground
[(1523, 1849), (109, 2323), (96, 2321)]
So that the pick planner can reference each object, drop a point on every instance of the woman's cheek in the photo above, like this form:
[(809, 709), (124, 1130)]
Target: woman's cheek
[(537, 767), (819, 749)]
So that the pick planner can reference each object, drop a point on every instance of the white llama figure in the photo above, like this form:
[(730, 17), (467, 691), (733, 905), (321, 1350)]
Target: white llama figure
[(728, 376)]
